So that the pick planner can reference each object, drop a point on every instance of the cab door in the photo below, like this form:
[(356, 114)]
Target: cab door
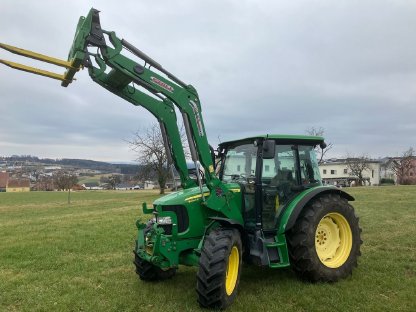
[(239, 166), (279, 178)]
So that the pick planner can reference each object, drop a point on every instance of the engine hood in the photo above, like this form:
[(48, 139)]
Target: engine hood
[(182, 196), (190, 195)]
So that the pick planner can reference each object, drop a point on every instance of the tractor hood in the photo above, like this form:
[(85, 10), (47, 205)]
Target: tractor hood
[(190, 195), (182, 196)]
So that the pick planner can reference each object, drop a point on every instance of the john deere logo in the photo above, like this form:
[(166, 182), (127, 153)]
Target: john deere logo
[(161, 84)]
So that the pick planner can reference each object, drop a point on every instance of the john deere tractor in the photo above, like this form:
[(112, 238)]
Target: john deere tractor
[(258, 200)]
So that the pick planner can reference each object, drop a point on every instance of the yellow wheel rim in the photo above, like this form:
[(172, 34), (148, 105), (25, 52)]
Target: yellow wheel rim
[(232, 270), (333, 240)]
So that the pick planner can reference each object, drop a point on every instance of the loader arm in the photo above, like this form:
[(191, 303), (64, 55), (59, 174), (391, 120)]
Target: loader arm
[(163, 110), (165, 87), (79, 56), (146, 83)]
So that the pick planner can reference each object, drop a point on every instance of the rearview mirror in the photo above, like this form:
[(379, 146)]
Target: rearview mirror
[(268, 149)]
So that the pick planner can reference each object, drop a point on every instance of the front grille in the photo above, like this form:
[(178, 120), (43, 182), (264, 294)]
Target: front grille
[(181, 215)]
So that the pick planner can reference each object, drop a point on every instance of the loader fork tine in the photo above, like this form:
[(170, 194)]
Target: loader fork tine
[(66, 78)]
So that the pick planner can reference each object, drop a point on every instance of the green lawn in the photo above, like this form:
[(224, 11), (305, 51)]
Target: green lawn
[(78, 257)]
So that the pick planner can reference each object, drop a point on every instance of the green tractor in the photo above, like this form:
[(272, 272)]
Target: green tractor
[(278, 214), (258, 200)]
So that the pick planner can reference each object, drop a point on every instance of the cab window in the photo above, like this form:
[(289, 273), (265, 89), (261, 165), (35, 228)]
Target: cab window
[(309, 170)]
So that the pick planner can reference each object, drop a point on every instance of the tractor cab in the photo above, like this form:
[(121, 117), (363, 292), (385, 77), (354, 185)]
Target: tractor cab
[(271, 170)]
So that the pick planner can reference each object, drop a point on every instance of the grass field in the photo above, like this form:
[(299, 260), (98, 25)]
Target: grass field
[(78, 257)]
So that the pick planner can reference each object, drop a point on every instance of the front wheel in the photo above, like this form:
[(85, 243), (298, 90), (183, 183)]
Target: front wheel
[(150, 272), (219, 268), (324, 243)]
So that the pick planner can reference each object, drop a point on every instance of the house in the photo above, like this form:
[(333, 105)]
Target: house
[(411, 174), (150, 185), (92, 186), (8, 184), (407, 177), (52, 168), (124, 186), (336, 172), (18, 185), (386, 169), (173, 184), (78, 187), (4, 178)]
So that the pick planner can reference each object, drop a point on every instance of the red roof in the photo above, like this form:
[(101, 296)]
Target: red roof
[(4, 177), (18, 183)]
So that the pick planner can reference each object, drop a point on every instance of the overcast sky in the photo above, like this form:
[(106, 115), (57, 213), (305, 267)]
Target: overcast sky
[(259, 67)]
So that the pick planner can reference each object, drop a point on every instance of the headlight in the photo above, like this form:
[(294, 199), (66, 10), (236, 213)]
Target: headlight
[(164, 220)]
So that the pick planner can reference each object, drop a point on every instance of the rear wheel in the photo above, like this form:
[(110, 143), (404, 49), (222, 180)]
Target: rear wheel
[(219, 268), (324, 244)]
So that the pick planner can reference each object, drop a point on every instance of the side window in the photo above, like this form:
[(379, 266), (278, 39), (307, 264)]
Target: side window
[(284, 165), (268, 169), (280, 171), (309, 166)]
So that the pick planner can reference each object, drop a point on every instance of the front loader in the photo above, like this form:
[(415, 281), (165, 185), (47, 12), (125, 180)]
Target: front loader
[(258, 200)]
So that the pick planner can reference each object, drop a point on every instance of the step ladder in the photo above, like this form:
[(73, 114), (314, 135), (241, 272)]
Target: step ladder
[(277, 251)]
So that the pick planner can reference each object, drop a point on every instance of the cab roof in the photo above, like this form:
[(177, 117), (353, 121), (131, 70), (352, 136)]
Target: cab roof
[(279, 138)]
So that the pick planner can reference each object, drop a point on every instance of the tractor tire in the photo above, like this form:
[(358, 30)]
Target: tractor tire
[(324, 244), (219, 268), (150, 272)]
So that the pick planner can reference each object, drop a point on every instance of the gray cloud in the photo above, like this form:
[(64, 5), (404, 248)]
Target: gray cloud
[(259, 67)]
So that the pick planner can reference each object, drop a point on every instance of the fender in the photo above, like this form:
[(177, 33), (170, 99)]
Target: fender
[(293, 209), (230, 222), (222, 221)]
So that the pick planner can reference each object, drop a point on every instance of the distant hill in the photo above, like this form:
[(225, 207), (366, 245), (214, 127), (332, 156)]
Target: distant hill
[(76, 163)]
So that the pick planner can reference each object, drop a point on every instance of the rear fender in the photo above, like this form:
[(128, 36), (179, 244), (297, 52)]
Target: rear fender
[(293, 210)]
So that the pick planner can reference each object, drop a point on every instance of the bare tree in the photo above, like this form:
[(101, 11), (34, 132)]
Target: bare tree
[(44, 183), (402, 166), (321, 152), (113, 180), (150, 148), (356, 167), (65, 181)]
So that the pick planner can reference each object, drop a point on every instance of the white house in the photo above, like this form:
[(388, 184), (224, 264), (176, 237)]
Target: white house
[(150, 185), (336, 172), (92, 186)]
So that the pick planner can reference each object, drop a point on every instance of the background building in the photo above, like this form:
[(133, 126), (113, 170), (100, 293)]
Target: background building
[(18, 185), (337, 172), (4, 178), (8, 184)]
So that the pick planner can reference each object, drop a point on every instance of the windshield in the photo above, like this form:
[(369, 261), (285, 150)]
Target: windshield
[(240, 163)]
